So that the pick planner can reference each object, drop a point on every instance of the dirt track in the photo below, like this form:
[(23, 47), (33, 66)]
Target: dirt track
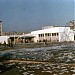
[(24, 61)]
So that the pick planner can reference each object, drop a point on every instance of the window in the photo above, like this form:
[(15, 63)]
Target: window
[(43, 35), (48, 34), (57, 34), (39, 35), (53, 34), (74, 37)]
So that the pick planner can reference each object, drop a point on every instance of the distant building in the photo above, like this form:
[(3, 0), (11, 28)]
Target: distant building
[(4, 39), (0, 28), (14, 33), (14, 37)]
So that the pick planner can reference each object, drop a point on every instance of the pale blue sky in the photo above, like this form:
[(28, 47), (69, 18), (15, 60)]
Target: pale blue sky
[(29, 15)]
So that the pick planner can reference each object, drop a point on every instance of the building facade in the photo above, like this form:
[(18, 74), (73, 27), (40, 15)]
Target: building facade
[(13, 33), (4, 39), (54, 34), (0, 28)]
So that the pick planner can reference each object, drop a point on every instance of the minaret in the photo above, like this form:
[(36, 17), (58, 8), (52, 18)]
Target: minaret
[(72, 24), (0, 27)]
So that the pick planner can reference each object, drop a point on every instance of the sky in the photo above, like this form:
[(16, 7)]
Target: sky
[(30, 15)]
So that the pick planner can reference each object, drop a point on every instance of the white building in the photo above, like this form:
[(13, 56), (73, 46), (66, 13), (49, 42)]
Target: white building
[(53, 34), (4, 39)]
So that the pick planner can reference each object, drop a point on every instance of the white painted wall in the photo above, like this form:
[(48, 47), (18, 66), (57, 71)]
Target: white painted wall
[(50, 30), (4, 38), (66, 35)]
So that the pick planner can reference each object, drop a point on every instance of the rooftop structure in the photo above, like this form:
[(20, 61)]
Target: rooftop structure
[(47, 27)]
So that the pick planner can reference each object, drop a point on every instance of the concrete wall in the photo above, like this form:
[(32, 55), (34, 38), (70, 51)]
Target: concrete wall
[(67, 34), (4, 38), (44, 31)]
